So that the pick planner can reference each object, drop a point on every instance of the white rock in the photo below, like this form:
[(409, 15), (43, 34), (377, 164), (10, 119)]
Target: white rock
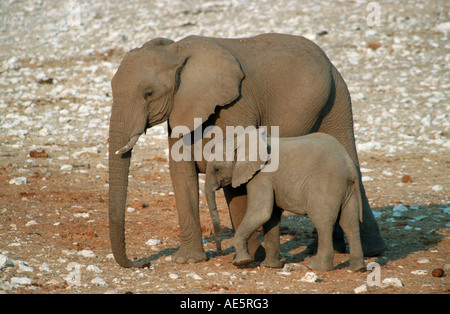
[(94, 269), (194, 276), (309, 277), (66, 167), (45, 267), (18, 181), (24, 281), (44, 132), (284, 273), (3, 260), (31, 223), (391, 282), (86, 253), (97, 281), (25, 268), (153, 242), (422, 260), (173, 276), (81, 215), (366, 178), (438, 188), (101, 166), (387, 173), (444, 28), (420, 272), (361, 289)]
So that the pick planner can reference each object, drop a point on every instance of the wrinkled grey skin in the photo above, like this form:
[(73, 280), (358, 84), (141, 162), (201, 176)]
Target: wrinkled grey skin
[(315, 176)]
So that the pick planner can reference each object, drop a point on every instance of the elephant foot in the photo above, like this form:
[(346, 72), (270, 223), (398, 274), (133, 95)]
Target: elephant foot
[(372, 245), (357, 266), (189, 256), (317, 264), (339, 245), (272, 263), (242, 259)]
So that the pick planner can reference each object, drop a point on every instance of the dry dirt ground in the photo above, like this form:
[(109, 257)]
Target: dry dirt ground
[(55, 102)]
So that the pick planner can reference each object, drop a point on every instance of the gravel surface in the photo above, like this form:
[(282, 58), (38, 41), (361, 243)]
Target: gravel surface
[(56, 62)]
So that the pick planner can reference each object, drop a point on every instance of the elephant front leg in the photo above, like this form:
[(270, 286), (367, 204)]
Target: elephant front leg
[(237, 203), (185, 185), (259, 211)]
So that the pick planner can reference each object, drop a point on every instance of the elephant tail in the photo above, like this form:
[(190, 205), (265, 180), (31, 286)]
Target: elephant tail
[(353, 188), (358, 194), (356, 189)]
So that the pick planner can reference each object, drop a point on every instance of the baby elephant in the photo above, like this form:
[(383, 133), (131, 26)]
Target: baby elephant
[(315, 176)]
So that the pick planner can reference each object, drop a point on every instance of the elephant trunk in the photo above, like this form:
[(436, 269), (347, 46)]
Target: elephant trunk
[(118, 183), (210, 191)]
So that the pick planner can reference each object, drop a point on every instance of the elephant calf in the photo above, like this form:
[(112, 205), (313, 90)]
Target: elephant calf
[(315, 176)]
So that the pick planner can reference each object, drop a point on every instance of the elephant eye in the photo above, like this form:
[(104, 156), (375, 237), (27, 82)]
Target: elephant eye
[(148, 95)]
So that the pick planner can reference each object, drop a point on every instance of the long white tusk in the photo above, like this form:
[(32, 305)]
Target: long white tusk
[(106, 140)]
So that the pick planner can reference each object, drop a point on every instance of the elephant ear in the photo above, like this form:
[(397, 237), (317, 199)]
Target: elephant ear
[(253, 159), (210, 77)]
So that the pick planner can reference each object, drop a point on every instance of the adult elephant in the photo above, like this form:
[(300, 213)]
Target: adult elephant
[(267, 80)]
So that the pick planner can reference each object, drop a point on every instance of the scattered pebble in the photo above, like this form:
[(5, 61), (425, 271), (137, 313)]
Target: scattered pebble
[(3, 261), (173, 276), (310, 277), (22, 281), (25, 268), (66, 168), (86, 253), (438, 188), (97, 281), (194, 276), (361, 289), (18, 181), (94, 269), (422, 260), (438, 272), (391, 282), (152, 242), (45, 267)]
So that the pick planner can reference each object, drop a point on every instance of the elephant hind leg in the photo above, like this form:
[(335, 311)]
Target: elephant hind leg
[(272, 239), (349, 221), (323, 213)]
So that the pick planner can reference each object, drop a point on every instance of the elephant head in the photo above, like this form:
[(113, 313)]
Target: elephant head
[(162, 80), (251, 152)]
